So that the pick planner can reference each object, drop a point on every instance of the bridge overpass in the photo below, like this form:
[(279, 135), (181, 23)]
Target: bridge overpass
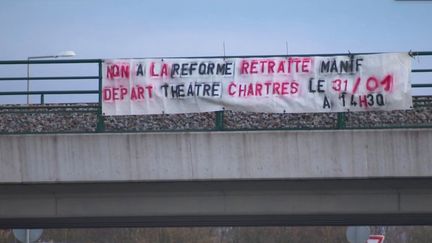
[(217, 178), (67, 165)]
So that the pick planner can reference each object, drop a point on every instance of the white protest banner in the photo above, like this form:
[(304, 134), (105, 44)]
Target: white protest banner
[(272, 84)]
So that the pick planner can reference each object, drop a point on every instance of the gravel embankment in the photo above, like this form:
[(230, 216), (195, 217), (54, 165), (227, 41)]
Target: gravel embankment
[(83, 118)]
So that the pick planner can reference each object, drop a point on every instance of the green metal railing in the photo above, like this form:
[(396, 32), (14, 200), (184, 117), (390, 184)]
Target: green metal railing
[(97, 107), (48, 109)]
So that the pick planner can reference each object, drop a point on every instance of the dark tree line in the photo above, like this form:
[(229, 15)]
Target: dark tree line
[(394, 234)]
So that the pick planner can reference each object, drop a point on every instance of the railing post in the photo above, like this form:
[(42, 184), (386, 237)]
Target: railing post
[(100, 126), (341, 118), (42, 99), (219, 124)]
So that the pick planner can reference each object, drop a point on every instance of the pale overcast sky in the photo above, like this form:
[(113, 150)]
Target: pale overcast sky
[(137, 28)]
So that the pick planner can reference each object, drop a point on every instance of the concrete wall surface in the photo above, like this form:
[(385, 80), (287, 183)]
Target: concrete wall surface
[(215, 155), (205, 203)]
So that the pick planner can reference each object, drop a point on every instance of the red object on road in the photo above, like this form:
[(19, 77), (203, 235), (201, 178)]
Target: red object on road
[(376, 239)]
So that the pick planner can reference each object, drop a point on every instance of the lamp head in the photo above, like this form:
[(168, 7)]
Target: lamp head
[(66, 54)]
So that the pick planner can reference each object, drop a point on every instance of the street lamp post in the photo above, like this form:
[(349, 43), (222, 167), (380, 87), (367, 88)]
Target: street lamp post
[(61, 54)]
